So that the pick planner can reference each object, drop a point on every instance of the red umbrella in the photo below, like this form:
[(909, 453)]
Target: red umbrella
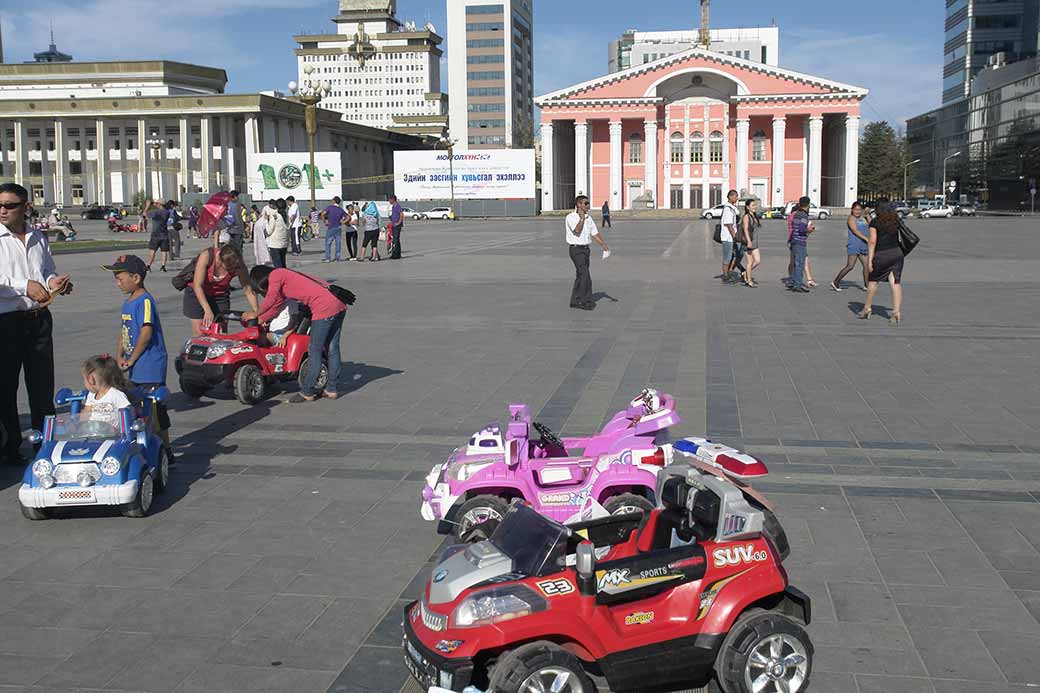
[(212, 212)]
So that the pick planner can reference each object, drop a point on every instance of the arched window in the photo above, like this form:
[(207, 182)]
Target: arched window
[(635, 148), (677, 147), (696, 148), (715, 143), (758, 146)]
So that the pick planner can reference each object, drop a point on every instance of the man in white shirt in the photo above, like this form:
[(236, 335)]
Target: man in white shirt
[(295, 225), (28, 281), (581, 231), (729, 232)]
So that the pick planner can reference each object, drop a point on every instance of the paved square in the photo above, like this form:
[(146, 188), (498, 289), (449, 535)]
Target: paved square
[(905, 460)]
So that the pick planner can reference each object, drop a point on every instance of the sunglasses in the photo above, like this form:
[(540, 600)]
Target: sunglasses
[(11, 205)]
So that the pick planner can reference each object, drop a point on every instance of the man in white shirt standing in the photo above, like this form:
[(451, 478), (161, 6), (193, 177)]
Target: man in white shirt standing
[(729, 232), (295, 225), (28, 280), (581, 231)]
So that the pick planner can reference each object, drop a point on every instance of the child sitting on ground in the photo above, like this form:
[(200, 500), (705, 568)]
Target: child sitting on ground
[(105, 385)]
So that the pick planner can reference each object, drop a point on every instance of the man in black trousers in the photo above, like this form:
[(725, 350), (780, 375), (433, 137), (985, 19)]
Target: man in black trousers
[(28, 281), (581, 231)]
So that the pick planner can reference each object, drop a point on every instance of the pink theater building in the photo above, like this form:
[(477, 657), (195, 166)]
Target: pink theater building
[(683, 130)]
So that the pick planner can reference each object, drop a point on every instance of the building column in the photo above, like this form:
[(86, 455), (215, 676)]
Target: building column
[(581, 159), (206, 147), (548, 180), (142, 157), (650, 140), (815, 159), (851, 159), (184, 130), (269, 138), (21, 153), (615, 164), (743, 135), (779, 157), (101, 152), (284, 136), (46, 175)]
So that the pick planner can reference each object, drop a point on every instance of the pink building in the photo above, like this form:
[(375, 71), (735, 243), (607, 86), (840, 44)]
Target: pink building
[(682, 131)]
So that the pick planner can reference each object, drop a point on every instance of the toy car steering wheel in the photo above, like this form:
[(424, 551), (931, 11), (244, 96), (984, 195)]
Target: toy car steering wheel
[(548, 436)]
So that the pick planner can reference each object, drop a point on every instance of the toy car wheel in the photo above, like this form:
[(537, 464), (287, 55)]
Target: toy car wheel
[(33, 513), (476, 511), (162, 470), (192, 390), (142, 503), (540, 666), (628, 504), (250, 384), (323, 374), (765, 652)]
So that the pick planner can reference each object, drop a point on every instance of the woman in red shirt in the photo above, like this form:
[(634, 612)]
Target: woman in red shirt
[(327, 313), (209, 292)]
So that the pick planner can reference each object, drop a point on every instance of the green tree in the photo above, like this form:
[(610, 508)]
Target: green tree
[(882, 154)]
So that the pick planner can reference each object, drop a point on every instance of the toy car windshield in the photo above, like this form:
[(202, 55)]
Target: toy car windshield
[(534, 542), (70, 427)]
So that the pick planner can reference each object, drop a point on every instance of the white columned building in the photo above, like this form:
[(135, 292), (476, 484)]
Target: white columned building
[(779, 160), (651, 171), (743, 138), (581, 158), (548, 158), (616, 166), (851, 159), (815, 158)]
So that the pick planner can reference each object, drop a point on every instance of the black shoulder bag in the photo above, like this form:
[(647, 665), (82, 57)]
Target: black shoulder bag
[(906, 238)]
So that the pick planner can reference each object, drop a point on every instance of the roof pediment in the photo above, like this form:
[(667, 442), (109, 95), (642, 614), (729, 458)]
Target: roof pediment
[(752, 79)]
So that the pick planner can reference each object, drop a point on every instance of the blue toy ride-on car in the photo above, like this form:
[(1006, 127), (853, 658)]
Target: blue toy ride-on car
[(90, 462)]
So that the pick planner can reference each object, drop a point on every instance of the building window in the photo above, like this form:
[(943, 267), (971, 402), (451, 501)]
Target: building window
[(677, 147), (485, 59), (758, 146), (485, 43), (635, 149), (129, 144), (485, 26), (486, 91), (76, 168), (696, 148), (484, 9), (715, 143)]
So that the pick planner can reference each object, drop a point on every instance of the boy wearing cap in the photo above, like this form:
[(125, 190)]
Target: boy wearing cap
[(142, 347)]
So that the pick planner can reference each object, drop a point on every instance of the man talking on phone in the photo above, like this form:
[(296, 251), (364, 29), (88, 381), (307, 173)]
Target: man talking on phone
[(581, 231), (28, 282)]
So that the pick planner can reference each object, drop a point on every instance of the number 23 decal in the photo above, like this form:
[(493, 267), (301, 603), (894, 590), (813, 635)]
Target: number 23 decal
[(553, 588)]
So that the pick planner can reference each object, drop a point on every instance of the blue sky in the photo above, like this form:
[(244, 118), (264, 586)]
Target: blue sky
[(894, 48)]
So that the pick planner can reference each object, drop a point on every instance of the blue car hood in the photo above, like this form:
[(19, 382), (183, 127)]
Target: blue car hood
[(87, 450)]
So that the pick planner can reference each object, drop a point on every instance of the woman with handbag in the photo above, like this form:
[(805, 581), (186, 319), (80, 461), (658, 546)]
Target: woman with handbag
[(885, 261), (277, 233), (208, 294)]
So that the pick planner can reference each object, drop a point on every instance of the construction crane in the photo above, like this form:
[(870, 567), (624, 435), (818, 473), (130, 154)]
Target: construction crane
[(705, 24)]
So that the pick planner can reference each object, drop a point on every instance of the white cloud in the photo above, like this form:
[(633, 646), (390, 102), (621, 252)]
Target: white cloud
[(903, 76)]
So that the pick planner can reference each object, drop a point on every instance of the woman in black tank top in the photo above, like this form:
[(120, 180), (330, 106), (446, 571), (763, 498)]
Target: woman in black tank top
[(885, 261)]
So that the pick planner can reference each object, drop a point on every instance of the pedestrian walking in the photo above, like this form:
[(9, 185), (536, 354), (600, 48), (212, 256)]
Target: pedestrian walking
[(235, 227), (749, 223), (208, 294), (277, 233), (261, 253), (606, 215), (371, 223), (801, 227), (350, 232), (159, 240), (580, 232), (729, 236), (193, 222), (333, 215), (173, 229), (885, 261), (295, 222), (858, 227), (28, 282), (277, 286), (397, 225)]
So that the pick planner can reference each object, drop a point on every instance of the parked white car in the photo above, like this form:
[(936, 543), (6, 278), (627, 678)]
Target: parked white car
[(437, 213), (814, 211), (941, 212)]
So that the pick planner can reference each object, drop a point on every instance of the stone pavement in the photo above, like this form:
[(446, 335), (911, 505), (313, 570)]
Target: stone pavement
[(904, 459)]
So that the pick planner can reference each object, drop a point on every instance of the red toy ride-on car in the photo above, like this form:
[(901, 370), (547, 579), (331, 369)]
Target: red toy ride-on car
[(693, 595), (247, 361)]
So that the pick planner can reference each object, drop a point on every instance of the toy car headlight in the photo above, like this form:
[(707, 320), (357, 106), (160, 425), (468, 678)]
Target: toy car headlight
[(216, 351), (42, 467), (110, 466), (461, 471), (496, 605)]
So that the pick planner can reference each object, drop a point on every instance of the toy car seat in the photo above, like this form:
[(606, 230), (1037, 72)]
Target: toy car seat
[(304, 316), (673, 517)]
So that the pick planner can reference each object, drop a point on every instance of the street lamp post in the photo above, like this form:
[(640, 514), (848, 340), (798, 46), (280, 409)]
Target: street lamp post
[(156, 145), (449, 144), (951, 156), (309, 94), (906, 170)]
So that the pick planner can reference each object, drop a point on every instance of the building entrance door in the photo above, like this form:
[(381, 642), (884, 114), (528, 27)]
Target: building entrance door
[(676, 200), (696, 197), (635, 189), (715, 194)]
